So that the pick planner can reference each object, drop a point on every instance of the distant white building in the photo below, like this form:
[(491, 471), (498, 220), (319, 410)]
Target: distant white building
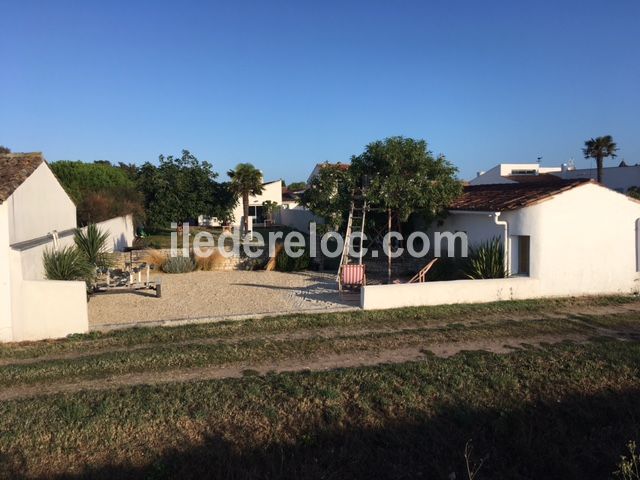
[(271, 191), (619, 178)]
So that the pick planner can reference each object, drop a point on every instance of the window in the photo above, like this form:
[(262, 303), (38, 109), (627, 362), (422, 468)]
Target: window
[(524, 247)]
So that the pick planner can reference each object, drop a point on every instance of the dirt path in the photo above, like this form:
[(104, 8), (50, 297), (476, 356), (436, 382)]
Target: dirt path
[(329, 362), (351, 331)]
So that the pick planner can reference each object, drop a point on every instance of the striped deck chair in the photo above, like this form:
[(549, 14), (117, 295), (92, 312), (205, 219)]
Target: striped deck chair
[(353, 275)]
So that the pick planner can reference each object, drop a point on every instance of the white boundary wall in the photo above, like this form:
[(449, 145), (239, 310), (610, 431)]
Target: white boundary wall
[(121, 232), (378, 297), (50, 309)]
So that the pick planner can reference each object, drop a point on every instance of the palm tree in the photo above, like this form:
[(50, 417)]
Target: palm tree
[(246, 180), (600, 148)]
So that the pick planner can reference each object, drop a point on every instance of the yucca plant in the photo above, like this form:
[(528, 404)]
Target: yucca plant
[(93, 244), (179, 265), (486, 260), (68, 263)]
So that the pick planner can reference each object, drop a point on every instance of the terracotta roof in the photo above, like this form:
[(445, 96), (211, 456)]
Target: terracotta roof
[(15, 168), (510, 196)]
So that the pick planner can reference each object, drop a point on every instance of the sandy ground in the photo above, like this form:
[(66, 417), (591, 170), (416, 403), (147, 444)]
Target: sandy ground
[(220, 294)]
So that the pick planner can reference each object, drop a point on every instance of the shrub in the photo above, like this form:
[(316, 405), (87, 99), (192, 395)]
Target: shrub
[(68, 264), (178, 265), (447, 268), (210, 262), (92, 243), (155, 258), (285, 263), (486, 260)]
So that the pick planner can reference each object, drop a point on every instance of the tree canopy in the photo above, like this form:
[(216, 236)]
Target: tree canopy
[(293, 186), (180, 189), (329, 194), (600, 148), (404, 176), (246, 180), (99, 190)]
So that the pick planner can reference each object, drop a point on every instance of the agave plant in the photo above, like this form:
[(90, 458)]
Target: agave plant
[(486, 260), (68, 263), (92, 243)]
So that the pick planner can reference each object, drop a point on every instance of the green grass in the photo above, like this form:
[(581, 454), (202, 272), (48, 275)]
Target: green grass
[(290, 323), (561, 412), (161, 357)]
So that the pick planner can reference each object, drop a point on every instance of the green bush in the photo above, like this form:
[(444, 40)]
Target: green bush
[(486, 260), (285, 263), (179, 265), (92, 243), (69, 264)]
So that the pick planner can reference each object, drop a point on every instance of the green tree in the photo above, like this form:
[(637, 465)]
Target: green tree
[(4, 149), (405, 177), (402, 176), (600, 148), (295, 186), (180, 189), (329, 195), (99, 190), (270, 207), (246, 180)]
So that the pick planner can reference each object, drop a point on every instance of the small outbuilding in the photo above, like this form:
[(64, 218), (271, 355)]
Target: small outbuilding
[(35, 213), (568, 237)]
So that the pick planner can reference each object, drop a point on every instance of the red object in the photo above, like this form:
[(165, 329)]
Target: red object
[(353, 275)]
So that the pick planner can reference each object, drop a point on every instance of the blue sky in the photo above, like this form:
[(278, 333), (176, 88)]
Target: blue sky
[(285, 85)]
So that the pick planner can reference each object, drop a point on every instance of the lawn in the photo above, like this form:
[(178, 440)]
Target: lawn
[(102, 405)]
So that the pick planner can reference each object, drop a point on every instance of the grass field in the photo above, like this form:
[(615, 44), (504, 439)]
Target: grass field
[(390, 394)]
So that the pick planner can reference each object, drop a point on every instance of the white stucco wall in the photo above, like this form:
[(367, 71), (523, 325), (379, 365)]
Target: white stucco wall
[(272, 191), (298, 218), (39, 206), (31, 308), (121, 232), (51, 309), (5, 275), (583, 242)]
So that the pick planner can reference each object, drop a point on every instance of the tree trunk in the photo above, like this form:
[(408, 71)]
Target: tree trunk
[(599, 161), (389, 246), (245, 212)]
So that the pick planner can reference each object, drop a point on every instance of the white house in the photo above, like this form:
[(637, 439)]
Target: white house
[(35, 210), (37, 214), (570, 237), (619, 178), (319, 166), (271, 191)]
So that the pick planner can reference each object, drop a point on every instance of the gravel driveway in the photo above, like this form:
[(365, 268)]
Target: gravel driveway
[(210, 296)]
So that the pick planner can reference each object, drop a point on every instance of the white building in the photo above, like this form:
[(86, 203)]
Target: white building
[(37, 214), (562, 238), (619, 178), (271, 191), (35, 209)]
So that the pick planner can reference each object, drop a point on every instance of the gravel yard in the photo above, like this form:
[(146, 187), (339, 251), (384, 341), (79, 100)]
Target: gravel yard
[(219, 295)]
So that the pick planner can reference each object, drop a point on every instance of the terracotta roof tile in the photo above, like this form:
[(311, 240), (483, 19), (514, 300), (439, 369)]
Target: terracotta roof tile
[(510, 196), (15, 168)]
